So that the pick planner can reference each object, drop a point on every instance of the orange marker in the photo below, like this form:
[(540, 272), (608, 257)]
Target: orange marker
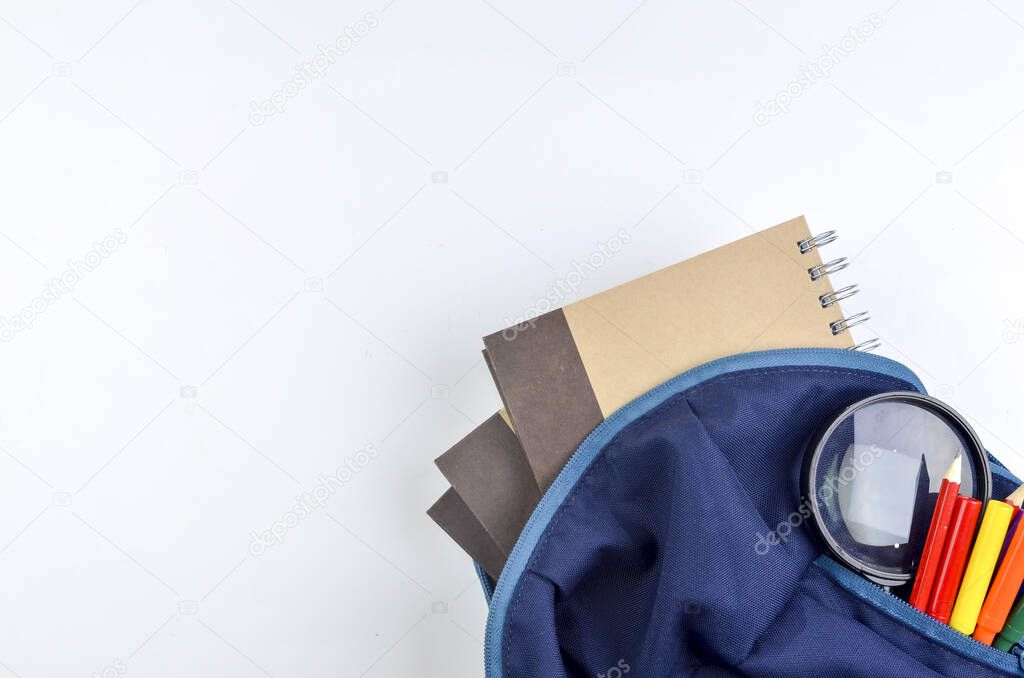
[(1004, 590)]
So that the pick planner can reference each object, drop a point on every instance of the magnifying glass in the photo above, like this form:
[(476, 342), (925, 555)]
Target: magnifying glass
[(872, 476)]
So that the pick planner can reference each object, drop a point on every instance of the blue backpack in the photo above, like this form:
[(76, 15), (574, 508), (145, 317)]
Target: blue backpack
[(672, 543)]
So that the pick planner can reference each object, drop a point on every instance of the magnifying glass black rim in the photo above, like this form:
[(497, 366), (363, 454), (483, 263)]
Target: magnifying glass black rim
[(976, 452)]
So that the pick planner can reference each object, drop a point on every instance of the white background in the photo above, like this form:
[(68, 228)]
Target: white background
[(295, 291)]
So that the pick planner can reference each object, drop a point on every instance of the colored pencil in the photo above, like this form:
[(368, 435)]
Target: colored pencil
[(1016, 497), (938, 533), (1010, 534)]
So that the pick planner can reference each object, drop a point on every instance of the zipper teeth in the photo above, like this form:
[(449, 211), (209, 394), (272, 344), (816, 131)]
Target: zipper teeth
[(962, 636), (973, 648), (503, 581)]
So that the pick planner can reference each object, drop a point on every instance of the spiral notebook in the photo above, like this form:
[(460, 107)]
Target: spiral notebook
[(560, 374)]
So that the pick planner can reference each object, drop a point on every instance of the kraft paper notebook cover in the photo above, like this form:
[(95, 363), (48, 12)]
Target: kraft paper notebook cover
[(562, 373)]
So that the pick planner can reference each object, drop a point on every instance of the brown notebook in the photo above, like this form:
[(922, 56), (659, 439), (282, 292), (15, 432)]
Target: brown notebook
[(560, 374), (490, 473), (455, 518)]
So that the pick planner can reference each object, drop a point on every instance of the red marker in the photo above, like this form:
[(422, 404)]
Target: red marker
[(954, 558), (938, 532)]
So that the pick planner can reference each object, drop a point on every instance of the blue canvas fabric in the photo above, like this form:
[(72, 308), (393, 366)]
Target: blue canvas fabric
[(673, 544)]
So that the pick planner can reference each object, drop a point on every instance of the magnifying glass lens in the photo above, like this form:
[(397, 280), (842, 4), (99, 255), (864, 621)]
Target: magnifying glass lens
[(876, 475)]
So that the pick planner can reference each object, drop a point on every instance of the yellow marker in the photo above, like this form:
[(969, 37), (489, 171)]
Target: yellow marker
[(981, 566)]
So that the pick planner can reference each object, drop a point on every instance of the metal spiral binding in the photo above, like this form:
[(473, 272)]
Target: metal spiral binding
[(821, 270), (840, 326), (840, 294), (817, 241), (867, 346), (831, 298)]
